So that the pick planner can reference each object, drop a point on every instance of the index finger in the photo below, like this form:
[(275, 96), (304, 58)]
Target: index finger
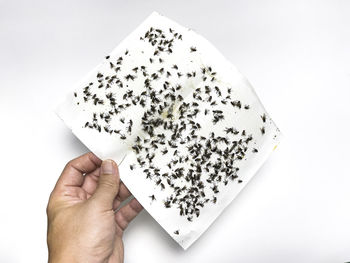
[(73, 173)]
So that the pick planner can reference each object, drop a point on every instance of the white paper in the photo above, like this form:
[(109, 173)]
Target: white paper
[(244, 117)]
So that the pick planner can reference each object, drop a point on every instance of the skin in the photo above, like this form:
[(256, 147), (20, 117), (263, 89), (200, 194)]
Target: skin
[(83, 225)]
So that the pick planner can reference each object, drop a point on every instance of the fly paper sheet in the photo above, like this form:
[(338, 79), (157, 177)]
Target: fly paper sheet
[(185, 127)]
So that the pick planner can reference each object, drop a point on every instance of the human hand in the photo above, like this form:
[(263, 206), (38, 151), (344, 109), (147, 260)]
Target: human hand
[(82, 223)]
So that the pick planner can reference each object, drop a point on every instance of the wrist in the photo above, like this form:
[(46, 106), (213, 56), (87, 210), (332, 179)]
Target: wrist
[(61, 257)]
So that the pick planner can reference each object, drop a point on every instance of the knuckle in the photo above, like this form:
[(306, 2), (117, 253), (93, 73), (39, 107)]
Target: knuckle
[(69, 164)]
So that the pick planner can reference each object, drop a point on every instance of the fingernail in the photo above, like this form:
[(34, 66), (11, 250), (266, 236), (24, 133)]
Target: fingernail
[(107, 167)]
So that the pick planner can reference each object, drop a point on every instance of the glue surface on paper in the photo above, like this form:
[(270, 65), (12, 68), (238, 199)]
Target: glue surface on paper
[(185, 127)]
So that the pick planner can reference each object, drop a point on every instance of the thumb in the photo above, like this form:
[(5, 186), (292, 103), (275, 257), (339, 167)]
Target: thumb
[(108, 184)]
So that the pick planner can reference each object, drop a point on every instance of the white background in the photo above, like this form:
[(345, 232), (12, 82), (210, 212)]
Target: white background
[(295, 53)]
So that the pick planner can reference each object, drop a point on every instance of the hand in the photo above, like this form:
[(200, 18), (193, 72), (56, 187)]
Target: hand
[(82, 223)]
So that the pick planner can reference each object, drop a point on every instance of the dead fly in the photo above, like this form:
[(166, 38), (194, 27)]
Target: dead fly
[(129, 76), (215, 189), (119, 61), (98, 101), (262, 129), (153, 198), (193, 49), (218, 91), (218, 116), (141, 161), (176, 232), (130, 126), (250, 138), (263, 117), (132, 167), (231, 130), (154, 76), (255, 150), (138, 139), (246, 107), (197, 212), (236, 103), (117, 131)]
